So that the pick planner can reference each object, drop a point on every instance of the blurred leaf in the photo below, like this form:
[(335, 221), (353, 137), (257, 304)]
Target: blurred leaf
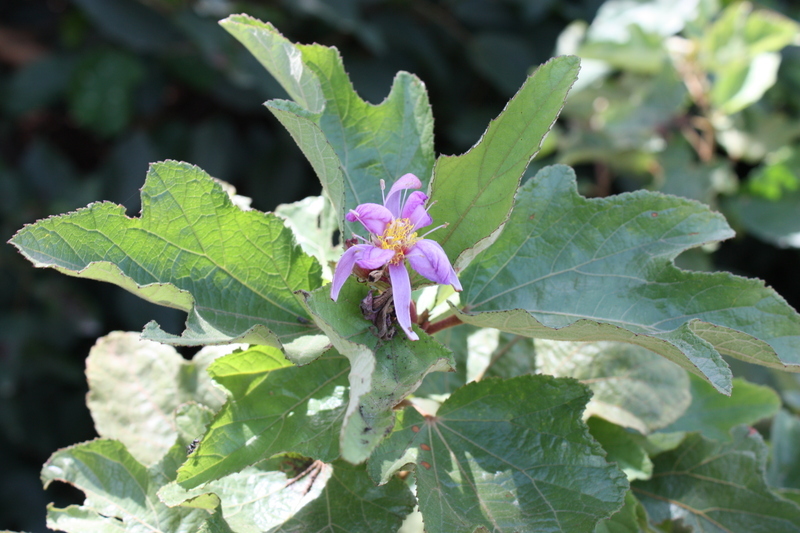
[(740, 49), (623, 447), (383, 372), (569, 268), (716, 487), (714, 414), (350, 143), (615, 18), (120, 491), (507, 455), (776, 222), (784, 465), (643, 53), (632, 518), (131, 23), (136, 385), (474, 191), (313, 222), (102, 90), (191, 249), (632, 387), (275, 407), (38, 84)]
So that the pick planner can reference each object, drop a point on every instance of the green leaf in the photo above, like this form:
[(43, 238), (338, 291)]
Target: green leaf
[(632, 386), (120, 491), (351, 502), (506, 455), (714, 415), (382, 373), (350, 143), (275, 407), (474, 192), (233, 271), (135, 386), (632, 518), (570, 268), (784, 465), (716, 487), (623, 447)]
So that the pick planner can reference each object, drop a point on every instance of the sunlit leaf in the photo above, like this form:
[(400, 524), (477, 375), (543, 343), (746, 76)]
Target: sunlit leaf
[(474, 191), (135, 386), (571, 268), (275, 407), (632, 386), (233, 271)]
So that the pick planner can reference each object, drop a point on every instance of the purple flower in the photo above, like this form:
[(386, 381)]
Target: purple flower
[(393, 239)]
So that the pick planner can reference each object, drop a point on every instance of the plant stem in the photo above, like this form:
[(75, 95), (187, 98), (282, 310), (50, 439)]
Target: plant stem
[(445, 323)]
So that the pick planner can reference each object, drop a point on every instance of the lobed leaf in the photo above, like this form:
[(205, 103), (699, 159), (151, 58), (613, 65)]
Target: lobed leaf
[(570, 268), (473, 192), (350, 143), (717, 487), (233, 271), (505, 455), (275, 407)]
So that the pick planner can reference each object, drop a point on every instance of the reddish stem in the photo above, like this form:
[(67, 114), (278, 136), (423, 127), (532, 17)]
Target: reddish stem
[(445, 323)]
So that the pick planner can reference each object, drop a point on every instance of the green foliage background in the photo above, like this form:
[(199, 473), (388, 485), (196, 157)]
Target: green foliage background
[(93, 90)]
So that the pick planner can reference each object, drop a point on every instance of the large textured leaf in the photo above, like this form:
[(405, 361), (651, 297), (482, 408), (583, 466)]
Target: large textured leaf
[(474, 192), (382, 373), (570, 268), (717, 487), (135, 386), (350, 143), (120, 491), (506, 455), (275, 407), (233, 271), (624, 447), (632, 386), (715, 415)]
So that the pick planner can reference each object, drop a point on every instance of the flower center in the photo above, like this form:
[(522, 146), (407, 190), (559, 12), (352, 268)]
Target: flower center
[(399, 236)]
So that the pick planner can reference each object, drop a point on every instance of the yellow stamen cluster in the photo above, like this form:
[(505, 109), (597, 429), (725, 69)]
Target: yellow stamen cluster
[(399, 236)]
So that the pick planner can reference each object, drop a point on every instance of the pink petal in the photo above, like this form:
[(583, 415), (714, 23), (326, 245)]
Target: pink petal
[(374, 257), (374, 217), (345, 266), (415, 211), (429, 259), (401, 292), (392, 202)]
